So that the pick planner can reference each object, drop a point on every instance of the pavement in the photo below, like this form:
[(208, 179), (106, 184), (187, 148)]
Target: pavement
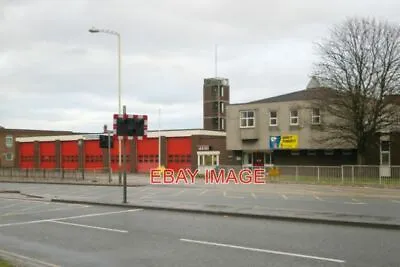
[(42, 233), (368, 207)]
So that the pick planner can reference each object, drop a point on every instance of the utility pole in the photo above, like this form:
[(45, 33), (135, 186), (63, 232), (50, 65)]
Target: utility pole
[(159, 138), (124, 160), (109, 158)]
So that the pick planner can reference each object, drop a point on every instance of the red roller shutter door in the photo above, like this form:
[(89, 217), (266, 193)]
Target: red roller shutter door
[(179, 152), (147, 154), (69, 155), (115, 155), (47, 155), (26, 155), (93, 155)]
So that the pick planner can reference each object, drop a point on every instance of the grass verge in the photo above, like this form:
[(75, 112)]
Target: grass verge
[(4, 263)]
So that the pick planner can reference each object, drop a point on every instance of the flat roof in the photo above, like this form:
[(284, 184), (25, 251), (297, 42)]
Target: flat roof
[(93, 136)]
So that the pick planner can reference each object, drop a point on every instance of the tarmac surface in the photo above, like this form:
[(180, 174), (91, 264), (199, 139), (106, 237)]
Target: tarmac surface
[(44, 233), (326, 202)]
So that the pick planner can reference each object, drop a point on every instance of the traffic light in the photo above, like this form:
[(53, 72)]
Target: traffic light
[(130, 127), (135, 127), (122, 129), (103, 141)]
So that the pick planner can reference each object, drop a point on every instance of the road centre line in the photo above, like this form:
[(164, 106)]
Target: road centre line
[(253, 195), (284, 196), (263, 250), (396, 201), (203, 192), (25, 259), (318, 198), (179, 193), (225, 195), (71, 217), (91, 227)]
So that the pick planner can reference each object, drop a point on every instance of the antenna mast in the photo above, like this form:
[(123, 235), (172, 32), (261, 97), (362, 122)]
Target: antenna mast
[(216, 60)]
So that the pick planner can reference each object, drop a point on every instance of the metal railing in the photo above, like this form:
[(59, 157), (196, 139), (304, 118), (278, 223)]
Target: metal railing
[(100, 175), (335, 175)]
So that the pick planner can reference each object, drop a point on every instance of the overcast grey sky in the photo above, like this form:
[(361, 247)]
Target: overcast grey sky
[(54, 74)]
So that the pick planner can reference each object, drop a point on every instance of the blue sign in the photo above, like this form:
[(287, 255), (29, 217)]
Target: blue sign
[(274, 142)]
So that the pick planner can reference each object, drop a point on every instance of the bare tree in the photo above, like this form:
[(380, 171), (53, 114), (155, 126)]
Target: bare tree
[(360, 63)]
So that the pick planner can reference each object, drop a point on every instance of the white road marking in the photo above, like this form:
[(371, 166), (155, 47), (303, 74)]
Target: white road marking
[(284, 196), (25, 258), (355, 203), (71, 217), (146, 196), (254, 195), (317, 197), (203, 192), (225, 195), (179, 193), (91, 227), (396, 201), (263, 250)]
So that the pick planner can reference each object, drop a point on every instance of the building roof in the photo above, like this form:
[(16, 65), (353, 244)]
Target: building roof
[(307, 94), (313, 91), (33, 130), (94, 136)]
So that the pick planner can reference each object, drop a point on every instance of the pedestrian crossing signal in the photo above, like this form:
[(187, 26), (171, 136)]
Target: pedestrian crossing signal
[(104, 141)]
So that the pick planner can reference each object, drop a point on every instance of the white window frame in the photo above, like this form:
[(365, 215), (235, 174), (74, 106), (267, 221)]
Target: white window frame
[(246, 118), (293, 117), (9, 141), (222, 91), (313, 116), (222, 124), (7, 158), (273, 118), (222, 107)]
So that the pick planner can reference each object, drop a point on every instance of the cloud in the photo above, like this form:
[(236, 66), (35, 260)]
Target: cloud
[(54, 74)]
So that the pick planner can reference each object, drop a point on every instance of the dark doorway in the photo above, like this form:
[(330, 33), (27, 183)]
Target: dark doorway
[(258, 159)]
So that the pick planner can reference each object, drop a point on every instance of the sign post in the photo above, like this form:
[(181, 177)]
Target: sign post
[(128, 127), (124, 160)]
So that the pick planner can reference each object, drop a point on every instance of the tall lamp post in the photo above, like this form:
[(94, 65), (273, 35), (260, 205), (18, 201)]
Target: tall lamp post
[(95, 30)]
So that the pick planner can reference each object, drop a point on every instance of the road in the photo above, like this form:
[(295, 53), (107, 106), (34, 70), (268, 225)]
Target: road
[(58, 234), (371, 202)]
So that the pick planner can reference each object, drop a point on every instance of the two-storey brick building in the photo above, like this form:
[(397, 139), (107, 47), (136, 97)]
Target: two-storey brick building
[(8, 142), (284, 130)]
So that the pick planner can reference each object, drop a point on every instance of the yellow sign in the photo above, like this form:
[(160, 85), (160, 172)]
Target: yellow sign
[(289, 142)]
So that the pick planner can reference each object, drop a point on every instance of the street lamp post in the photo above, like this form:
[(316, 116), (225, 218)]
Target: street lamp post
[(95, 30)]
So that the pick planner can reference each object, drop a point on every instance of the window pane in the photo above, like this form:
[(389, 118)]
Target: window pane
[(273, 122), (250, 114), (293, 121), (316, 112), (315, 120), (273, 114), (293, 113), (243, 122), (250, 122), (385, 146), (207, 160), (243, 114), (385, 158)]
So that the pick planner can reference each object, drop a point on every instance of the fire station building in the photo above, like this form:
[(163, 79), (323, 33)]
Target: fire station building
[(194, 148)]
